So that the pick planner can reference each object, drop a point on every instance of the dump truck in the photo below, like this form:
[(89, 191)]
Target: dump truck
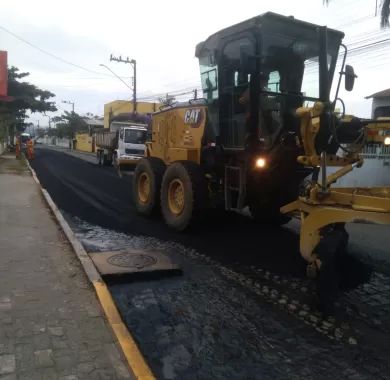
[(123, 143), (262, 138)]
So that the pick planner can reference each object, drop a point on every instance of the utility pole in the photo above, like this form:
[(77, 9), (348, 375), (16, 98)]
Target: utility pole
[(49, 121), (69, 102), (133, 63)]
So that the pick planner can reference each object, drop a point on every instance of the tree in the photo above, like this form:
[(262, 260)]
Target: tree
[(68, 124), (385, 12), (27, 97)]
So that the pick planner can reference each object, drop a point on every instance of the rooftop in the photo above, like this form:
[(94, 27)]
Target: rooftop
[(380, 94)]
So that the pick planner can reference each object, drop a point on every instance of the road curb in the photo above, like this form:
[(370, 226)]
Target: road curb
[(132, 353)]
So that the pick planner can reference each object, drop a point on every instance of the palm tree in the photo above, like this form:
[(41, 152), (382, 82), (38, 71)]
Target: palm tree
[(385, 12)]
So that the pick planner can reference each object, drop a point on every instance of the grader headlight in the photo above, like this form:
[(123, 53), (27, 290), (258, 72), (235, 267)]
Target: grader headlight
[(261, 163)]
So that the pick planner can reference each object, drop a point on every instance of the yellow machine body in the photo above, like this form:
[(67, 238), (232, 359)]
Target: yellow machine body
[(322, 205), (177, 133)]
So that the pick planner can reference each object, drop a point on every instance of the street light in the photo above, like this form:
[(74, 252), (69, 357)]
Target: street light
[(69, 102), (116, 76)]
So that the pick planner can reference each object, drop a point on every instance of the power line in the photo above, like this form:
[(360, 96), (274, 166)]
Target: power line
[(51, 54)]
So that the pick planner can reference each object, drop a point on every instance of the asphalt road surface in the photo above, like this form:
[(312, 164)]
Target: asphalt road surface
[(243, 307), (99, 196)]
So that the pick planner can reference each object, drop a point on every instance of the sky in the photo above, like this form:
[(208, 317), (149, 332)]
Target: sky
[(72, 38)]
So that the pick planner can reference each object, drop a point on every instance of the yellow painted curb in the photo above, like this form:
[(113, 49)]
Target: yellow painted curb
[(133, 355)]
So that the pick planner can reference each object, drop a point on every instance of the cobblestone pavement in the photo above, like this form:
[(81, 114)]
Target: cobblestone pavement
[(51, 324), (242, 322)]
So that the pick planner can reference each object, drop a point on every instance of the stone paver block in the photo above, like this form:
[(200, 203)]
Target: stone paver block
[(5, 306), (11, 376), (41, 342), (116, 361), (93, 311), (7, 364), (56, 331), (85, 368), (64, 362), (44, 358), (6, 348), (58, 343), (47, 374), (38, 329)]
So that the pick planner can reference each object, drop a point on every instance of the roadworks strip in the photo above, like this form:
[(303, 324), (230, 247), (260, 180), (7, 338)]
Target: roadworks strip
[(132, 353)]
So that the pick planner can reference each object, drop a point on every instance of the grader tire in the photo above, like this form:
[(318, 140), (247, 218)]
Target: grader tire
[(184, 195), (99, 158), (106, 161), (148, 175)]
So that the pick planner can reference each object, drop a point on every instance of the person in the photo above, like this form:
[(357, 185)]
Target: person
[(30, 149), (252, 137), (17, 147), (245, 97)]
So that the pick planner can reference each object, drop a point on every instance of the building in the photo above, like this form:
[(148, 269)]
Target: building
[(380, 104), (94, 124), (376, 168)]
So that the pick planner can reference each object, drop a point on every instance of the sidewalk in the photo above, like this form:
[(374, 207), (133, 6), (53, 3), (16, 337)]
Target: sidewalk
[(51, 323)]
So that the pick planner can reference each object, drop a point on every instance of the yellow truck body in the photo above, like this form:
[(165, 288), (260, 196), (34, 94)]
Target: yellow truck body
[(117, 107)]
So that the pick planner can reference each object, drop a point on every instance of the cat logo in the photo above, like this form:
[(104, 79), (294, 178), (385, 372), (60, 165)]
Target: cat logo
[(193, 116)]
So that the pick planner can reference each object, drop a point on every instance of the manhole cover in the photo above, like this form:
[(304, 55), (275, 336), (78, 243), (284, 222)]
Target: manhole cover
[(132, 261), (126, 260)]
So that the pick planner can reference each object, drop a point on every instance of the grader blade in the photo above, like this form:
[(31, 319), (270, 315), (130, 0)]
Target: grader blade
[(323, 239)]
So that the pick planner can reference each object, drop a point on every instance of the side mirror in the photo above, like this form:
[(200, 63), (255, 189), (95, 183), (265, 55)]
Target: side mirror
[(349, 77)]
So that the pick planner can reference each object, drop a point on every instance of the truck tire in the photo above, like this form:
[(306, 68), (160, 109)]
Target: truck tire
[(99, 158), (184, 195), (106, 160), (148, 175)]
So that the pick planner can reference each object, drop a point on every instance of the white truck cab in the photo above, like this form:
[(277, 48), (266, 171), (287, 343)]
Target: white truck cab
[(131, 142), (123, 144)]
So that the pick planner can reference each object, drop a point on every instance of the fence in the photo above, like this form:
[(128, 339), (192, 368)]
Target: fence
[(376, 152)]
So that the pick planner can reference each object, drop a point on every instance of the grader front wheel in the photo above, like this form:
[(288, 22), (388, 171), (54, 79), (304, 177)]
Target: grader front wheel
[(331, 251), (146, 185), (144, 188), (183, 195), (176, 197)]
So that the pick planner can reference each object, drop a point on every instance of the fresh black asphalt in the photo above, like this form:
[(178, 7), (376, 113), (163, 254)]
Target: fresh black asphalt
[(99, 196)]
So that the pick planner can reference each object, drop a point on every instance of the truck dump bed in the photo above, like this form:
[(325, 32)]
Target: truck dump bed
[(106, 139)]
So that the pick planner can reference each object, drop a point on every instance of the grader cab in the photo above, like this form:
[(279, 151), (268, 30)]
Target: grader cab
[(265, 124)]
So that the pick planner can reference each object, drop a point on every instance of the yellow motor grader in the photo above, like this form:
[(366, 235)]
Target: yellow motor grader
[(265, 125)]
